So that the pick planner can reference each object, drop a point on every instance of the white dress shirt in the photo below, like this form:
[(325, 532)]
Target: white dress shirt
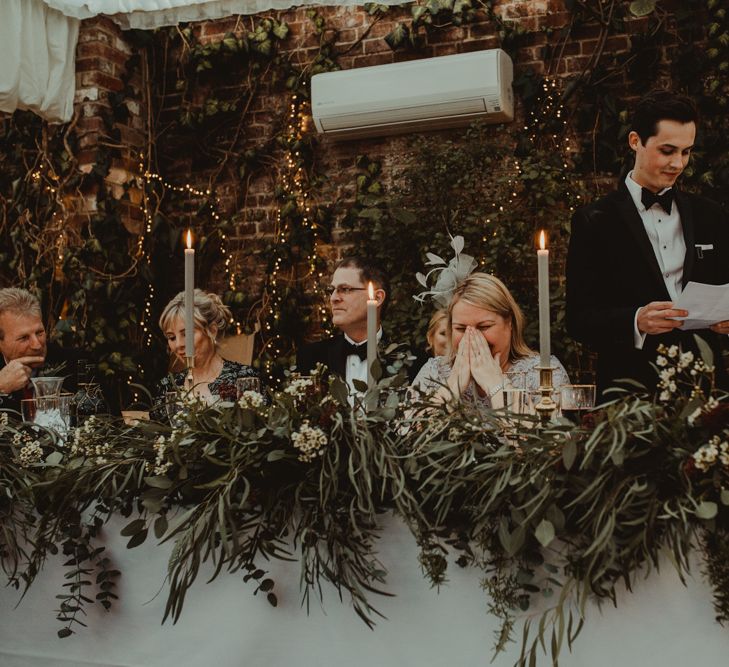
[(666, 236), (356, 368)]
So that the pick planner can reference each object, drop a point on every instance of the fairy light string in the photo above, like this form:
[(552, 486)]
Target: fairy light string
[(296, 208), (147, 179)]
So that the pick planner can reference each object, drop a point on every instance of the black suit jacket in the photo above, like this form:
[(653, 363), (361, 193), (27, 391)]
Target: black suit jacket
[(331, 353), (612, 271)]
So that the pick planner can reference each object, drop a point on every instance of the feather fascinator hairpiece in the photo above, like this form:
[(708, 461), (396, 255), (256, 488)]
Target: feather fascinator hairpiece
[(449, 274)]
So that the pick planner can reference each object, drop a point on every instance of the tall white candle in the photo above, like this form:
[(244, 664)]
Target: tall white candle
[(371, 333), (189, 298), (543, 271)]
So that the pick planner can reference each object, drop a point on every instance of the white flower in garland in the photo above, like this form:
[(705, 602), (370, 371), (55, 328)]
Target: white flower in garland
[(661, 361), (161, 466), (297, 387), (685, 359), (3, 418), (707, 455), (310, 441), (30, 453), (250, 399)]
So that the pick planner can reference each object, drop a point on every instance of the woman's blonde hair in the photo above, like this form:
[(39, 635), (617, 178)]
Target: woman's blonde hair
[(437, 317), (209, 312), (488, 292)]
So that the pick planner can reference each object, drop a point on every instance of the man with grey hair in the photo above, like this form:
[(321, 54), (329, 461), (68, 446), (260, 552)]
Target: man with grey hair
[(22, 344)]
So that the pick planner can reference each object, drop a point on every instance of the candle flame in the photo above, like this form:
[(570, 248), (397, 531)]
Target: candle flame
[(189, 239), (371, 291), (542, 240)]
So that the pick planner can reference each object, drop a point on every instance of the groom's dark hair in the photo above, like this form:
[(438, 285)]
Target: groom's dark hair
[(661, 105), (369, 270)]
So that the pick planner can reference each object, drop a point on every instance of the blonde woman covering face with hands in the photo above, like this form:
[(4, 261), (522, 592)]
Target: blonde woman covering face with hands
[(486, 341)]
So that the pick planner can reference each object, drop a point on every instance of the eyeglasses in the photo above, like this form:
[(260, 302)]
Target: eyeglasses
[(341, 290)]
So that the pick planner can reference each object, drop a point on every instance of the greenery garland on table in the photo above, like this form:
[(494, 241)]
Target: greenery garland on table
[(551, 516)]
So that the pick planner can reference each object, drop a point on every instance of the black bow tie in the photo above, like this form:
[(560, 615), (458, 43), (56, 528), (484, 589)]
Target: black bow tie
[(359, 350), (665, 200)]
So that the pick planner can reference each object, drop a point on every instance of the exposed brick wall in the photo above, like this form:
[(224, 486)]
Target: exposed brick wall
[(102, 70), (103, 53)]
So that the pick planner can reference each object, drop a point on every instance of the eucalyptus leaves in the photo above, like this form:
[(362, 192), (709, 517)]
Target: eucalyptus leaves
[(552, 516)]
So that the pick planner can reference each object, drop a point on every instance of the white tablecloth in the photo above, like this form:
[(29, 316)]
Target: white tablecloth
[(224, 625)]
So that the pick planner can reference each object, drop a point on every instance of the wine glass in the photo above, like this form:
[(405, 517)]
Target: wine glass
[(576, 400), (247, 384)]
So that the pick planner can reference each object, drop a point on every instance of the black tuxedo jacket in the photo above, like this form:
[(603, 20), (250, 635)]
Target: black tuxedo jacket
[(331, 353), (612, 271)]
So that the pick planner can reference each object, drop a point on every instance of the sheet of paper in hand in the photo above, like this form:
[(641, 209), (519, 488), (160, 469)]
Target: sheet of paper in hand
[(706, 305)]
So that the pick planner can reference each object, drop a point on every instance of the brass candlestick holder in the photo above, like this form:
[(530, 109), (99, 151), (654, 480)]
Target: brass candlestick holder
[(546, 406)]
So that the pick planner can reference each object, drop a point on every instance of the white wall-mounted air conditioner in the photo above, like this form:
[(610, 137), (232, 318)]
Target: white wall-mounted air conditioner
[(430, 93)]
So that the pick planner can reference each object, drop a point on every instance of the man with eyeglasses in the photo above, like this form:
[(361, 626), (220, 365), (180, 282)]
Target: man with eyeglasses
[(346, 353)]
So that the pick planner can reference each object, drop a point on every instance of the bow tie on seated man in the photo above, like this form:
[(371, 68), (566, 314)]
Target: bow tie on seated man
[(346, 353)]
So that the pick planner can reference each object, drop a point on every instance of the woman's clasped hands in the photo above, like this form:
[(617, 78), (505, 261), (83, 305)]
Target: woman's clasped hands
[(474, 361)]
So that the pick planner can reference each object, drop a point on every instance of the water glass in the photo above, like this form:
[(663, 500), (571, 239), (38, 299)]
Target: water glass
[(28, 409), (514, 399), (576, 400), (51, 412), (247, 384)]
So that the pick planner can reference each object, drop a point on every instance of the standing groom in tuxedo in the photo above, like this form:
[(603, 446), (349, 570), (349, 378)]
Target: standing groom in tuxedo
[(632, 252), (346, 353)]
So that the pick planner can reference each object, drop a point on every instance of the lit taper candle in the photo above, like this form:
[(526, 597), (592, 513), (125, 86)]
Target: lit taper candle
[(543, 271), (371, 333), (189, 300)]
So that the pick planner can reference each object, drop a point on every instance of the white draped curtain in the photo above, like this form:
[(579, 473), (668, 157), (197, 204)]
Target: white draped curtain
[(37, 59), (38, 40)]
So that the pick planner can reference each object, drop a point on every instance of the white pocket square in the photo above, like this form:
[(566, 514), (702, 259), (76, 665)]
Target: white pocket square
[(701, 247)]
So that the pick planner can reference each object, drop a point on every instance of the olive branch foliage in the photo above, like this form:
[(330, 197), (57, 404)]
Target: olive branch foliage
[(552, 516)]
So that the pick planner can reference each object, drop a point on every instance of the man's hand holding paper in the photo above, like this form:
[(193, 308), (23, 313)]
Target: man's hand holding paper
[(707, 305)]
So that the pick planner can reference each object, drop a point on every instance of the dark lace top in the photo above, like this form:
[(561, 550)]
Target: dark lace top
[(222, 387)]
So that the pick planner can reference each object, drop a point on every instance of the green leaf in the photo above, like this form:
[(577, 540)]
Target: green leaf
[(160, 526), (54, 458), (707, 510), (544, 532), (133, 528), (281, 30), (339, 391), (642, 7), (706, 354), (137, 539), (158, 482), (397, 36), (569, 454)]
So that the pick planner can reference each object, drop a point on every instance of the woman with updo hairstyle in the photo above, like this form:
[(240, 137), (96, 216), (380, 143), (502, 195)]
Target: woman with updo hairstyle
[(485, 342), (213, 377)]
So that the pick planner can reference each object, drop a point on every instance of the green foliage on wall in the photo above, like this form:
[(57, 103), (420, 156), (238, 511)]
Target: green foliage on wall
[(470, 184)]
